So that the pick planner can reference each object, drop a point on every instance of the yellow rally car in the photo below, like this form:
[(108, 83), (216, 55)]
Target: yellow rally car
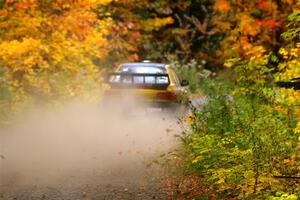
[(145, 83)]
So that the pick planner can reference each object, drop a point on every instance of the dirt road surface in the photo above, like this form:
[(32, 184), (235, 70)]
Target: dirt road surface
[(82, 152)]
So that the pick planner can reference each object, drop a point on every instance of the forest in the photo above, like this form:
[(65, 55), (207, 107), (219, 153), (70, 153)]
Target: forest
[(244, 143)]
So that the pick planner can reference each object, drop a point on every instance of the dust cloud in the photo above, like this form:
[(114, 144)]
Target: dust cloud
[(82, 144)]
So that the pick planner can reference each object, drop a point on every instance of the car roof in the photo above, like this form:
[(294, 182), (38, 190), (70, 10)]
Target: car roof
[(143, 64)]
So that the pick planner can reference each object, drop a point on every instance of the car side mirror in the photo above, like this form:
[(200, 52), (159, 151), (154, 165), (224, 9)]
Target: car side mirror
[(184, 83)]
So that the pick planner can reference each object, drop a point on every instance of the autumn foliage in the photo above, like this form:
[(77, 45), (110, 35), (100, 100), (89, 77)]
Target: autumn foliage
[(244, 141), (53, 51), (48, 50)]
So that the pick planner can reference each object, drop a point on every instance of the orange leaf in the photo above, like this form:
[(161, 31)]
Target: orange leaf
[(168, 130), (266, 6), (136, 35), (3, 24), (133, 57), (222, 5), (16, 5)]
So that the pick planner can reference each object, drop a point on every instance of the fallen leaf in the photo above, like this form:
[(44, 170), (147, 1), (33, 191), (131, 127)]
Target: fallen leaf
[(168, 130)]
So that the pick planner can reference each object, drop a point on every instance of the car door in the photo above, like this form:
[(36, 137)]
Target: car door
[(175, 85)]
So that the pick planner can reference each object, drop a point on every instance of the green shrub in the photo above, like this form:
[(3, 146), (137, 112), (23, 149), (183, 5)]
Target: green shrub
[(239, 143)]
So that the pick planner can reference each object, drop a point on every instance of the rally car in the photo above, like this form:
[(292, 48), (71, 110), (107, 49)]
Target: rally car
[(147, 83)]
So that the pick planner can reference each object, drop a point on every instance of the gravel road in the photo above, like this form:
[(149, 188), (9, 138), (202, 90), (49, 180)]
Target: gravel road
[(81, 153), (110, 190)]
